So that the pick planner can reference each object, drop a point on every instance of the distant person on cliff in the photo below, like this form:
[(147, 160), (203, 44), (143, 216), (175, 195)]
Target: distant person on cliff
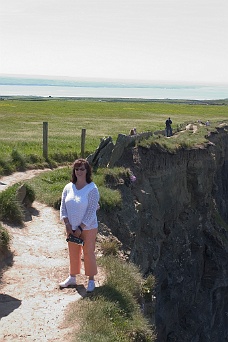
[(78, 211), (133, 131), (168, 127)]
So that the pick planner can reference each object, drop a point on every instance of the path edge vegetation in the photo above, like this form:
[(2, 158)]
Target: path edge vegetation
[(119, 301)]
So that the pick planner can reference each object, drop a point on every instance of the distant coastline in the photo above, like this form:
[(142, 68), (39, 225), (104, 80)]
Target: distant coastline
[(67, 87)]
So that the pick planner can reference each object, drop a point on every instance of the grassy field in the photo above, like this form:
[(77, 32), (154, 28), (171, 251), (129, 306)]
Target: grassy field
[(116, 315), (21, 126)]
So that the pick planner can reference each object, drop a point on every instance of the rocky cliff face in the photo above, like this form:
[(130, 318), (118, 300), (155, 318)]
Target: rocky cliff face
[(174, 222)]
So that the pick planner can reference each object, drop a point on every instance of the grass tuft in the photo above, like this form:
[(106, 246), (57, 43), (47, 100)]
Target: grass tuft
[(109, 199), (18, 160), (4, 238), (109, 247), (112, 312), (11, 210), (5, 167)]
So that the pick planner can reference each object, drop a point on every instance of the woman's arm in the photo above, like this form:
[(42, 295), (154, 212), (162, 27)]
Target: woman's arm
[(63, 212), (90, 214)]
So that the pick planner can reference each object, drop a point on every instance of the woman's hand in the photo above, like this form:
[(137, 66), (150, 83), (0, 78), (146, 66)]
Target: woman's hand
[(68, 229), (77, 232)]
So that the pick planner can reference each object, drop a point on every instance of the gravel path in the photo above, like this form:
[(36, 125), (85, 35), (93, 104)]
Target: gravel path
[(16, 177), (32, 307)]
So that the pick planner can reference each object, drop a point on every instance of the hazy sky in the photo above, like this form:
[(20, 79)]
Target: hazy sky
[(176, 40)]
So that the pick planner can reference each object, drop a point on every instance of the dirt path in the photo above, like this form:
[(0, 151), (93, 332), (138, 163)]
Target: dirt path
[(18, 177), (32, 307)]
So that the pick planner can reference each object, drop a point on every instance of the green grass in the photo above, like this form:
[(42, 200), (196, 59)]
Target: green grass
[(11, 210), (48, 186), (4, 239), (112, 313), (185, 139), (21, 128)]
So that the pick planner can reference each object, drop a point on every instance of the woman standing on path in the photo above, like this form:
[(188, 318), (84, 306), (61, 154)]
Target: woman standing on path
[(78, 210)]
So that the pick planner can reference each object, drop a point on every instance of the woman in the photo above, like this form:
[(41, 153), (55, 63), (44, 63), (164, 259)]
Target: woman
[(78, 209)]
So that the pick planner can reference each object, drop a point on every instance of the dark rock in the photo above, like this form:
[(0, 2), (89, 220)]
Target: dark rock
[(174, 221), (23, 197)]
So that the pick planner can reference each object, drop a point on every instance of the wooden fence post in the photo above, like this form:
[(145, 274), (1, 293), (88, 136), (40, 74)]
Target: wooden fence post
[(45, 140), (83, 142)]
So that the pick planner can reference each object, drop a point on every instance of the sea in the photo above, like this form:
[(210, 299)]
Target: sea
[(80, 88)]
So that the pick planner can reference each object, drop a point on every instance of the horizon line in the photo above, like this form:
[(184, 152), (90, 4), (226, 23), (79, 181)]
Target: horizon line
[(106, 79)]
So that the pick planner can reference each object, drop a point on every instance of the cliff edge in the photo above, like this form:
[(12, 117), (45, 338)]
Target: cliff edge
[(174, 225)]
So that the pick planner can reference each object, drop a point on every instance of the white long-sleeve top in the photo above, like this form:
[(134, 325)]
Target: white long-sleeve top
[(80, 206)]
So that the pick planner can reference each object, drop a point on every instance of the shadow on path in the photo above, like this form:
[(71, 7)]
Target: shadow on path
[(8, 304), (6, 261)]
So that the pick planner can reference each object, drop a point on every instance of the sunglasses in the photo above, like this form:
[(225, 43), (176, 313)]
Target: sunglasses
[(80, 169)]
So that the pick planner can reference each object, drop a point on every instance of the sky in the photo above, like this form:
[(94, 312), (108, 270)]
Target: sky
[(152, 40)]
